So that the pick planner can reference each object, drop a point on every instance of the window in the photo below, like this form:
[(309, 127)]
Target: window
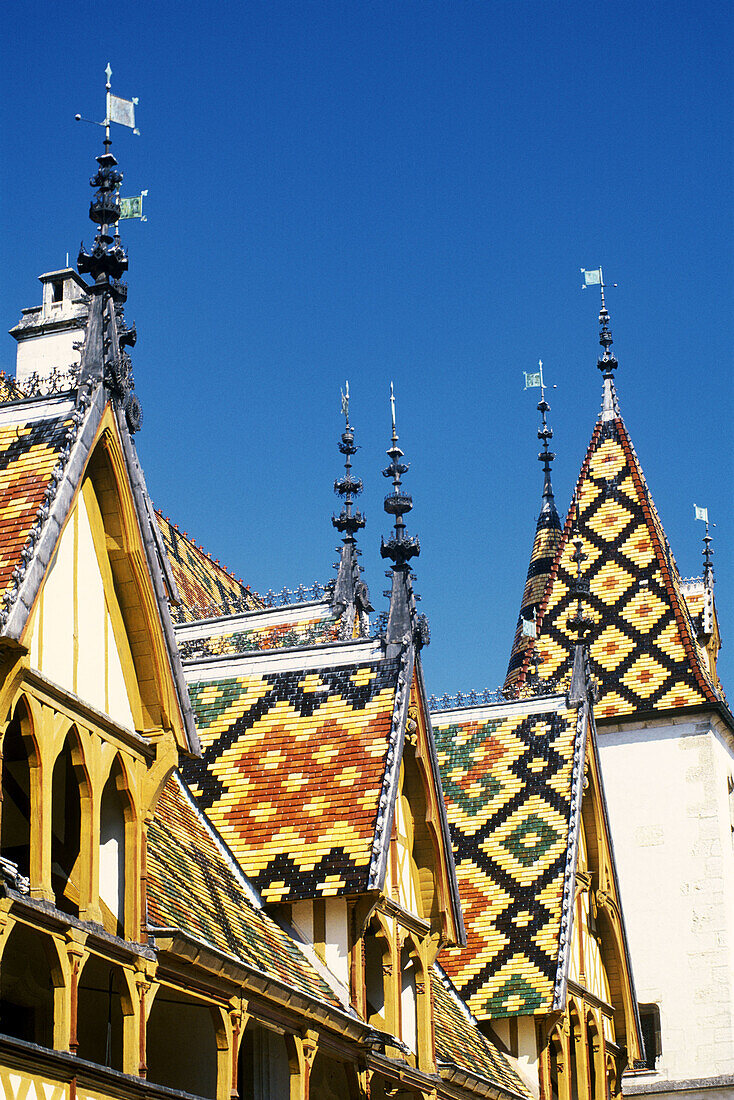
[(57, 291), (15, 834), (650, 1022), (27, 988)]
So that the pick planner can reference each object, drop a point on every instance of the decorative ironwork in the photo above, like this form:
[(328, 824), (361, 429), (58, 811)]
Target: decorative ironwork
[(35, 385), (466, 699), (286, 597)]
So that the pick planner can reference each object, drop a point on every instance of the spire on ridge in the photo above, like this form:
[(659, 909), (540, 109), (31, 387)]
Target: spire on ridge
[(350, 598), (104, 357), (607, 364), (400, 548), (545, 545)]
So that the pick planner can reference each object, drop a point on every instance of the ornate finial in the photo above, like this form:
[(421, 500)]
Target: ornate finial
[(350, 594), (402, 621), (397, 503), (708, 565), (104, 356), (545, 434), (607, 363)]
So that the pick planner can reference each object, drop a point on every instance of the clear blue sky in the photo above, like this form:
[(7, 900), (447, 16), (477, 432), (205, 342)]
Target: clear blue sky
[(403, 190)]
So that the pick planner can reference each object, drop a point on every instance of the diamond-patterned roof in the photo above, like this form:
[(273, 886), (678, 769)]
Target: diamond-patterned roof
[(206, 588), (29, 451), (507, 780), (192, 887), (644, 651), (292, 771)]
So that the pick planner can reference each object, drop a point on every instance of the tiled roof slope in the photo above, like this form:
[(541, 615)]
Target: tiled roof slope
[(206, 588), (292, 770), (192, 887), (296, 632), (29, 452), (507, 781), (460, 1043), (545, 546), (644, 652)]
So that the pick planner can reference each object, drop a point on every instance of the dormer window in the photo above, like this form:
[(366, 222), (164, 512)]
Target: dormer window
[(57, 292)]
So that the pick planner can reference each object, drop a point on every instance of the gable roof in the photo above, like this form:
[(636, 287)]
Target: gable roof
[(206, 589), (194, 887), (45, 446), (460, 1043), (295, 758), (644, 650), (511, 778)]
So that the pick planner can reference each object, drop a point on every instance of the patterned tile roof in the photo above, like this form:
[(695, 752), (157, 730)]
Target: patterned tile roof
[(460, 1042), (292, 771), (644, 651), (545, 546), (507, 780), (206, 588), (298, 631), (192, 887), (29, 452)]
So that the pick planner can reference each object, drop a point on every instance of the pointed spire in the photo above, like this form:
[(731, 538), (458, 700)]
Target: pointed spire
[(545, 545), (607, 364), (546, 456), (350, 598), (400, 548)]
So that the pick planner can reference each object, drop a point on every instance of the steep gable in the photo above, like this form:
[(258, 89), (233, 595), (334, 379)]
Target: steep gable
[(644, 651)]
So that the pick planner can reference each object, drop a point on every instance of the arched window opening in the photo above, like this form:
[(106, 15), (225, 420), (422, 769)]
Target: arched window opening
[(26, 988), (376, 955), (66, 831), (328, 1080), (424, 852), (408, 1000), (114, 812), (101, 999), (181, 1049), (612, 1086), (15, 831), (264, 1065), (555, 1049)]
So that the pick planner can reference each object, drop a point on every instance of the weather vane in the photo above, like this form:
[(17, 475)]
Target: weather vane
[(122, 112), (392, 407), (595, 278), (345, 403)]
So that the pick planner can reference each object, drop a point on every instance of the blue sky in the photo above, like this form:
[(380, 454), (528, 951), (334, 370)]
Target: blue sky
[(403, 191)]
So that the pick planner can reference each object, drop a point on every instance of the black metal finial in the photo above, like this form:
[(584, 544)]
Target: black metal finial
[(106, 261), (348, 522), (708, 565), (399, 547), (350, 597), (545, 434)]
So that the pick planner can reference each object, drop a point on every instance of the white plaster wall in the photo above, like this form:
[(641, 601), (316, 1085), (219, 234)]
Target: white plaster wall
[(40, 354), (666, 790), (336, 949), (527, 1052)]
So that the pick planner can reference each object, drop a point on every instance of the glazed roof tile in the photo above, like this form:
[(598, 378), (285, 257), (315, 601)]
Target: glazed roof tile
[(545, 546), (29, 452), (508, 781), (206, 588), (644, 651), (292, 771), (193, 887), (460, 1042)]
